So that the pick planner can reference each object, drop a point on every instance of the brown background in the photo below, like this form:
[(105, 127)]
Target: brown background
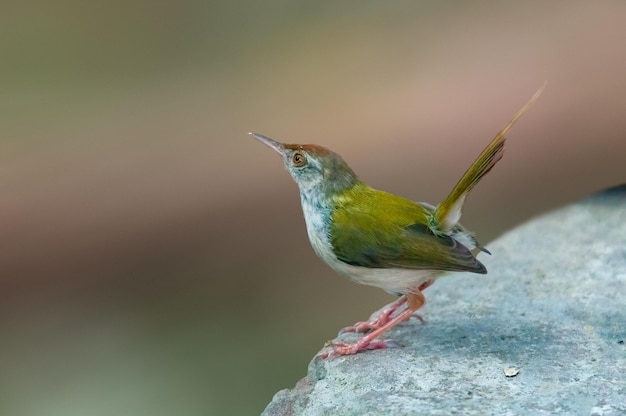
[(153, 257)]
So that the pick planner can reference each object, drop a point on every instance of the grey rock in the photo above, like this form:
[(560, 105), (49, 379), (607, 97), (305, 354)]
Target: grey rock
[(553, 308)]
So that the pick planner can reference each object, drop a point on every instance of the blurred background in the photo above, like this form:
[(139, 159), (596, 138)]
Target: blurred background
[(153, 256)]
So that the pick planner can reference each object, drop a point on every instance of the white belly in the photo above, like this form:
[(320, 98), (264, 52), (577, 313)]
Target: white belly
[(392, 280)]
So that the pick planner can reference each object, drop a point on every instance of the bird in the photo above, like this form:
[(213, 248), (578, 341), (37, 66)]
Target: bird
[(376, 238)]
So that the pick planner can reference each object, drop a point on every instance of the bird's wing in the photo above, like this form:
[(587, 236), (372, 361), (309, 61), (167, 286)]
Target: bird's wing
[(380, 230)]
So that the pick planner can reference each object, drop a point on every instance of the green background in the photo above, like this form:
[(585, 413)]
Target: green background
[(153, 257)]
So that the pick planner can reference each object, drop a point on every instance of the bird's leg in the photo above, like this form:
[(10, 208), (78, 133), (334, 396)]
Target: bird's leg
[(384, 315), (382, 318), (419, 290), (369, 341)]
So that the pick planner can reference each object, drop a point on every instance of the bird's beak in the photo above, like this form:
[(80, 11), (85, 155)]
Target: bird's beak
[(278, 146)]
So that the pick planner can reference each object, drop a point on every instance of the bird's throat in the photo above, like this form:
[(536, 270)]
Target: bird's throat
[(317, 210)]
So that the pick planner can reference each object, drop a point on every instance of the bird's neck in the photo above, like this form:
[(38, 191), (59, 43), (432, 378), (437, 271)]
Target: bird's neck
[(317, 206)]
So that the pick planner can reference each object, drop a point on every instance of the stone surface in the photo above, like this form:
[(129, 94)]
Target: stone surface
[(552, 308)]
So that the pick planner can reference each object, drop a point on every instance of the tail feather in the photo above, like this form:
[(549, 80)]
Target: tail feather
[(448, 213)]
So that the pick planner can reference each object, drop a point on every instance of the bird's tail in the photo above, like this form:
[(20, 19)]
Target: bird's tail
[(447, 214)]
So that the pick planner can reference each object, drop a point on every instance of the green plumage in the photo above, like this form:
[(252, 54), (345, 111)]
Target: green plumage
[(375, 229)]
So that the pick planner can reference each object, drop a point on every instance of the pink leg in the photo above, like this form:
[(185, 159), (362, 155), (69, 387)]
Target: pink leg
[(369, 341), (382, 319), (385, 314)]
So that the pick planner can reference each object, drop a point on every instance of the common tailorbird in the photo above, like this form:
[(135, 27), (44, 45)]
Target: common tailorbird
[(379, 239)]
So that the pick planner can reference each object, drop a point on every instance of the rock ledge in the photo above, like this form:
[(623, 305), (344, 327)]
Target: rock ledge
[(552, 309)]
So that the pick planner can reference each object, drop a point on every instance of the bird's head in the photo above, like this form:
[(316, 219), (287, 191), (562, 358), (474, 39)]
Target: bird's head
[(314, 168)]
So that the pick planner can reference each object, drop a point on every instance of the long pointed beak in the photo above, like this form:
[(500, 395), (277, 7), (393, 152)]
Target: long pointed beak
[(278, 146)]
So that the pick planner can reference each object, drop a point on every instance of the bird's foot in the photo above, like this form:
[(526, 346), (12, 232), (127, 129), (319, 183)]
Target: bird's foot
[(371, 341), (343, 348)]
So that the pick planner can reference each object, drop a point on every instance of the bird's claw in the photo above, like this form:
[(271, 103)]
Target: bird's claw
[(363, 327), (418, 317), (343, 348)]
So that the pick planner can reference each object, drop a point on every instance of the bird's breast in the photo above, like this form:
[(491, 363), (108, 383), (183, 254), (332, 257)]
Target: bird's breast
[(317, 216)]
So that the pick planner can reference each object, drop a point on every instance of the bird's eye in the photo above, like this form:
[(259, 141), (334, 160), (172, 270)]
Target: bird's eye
[(298, 159)]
